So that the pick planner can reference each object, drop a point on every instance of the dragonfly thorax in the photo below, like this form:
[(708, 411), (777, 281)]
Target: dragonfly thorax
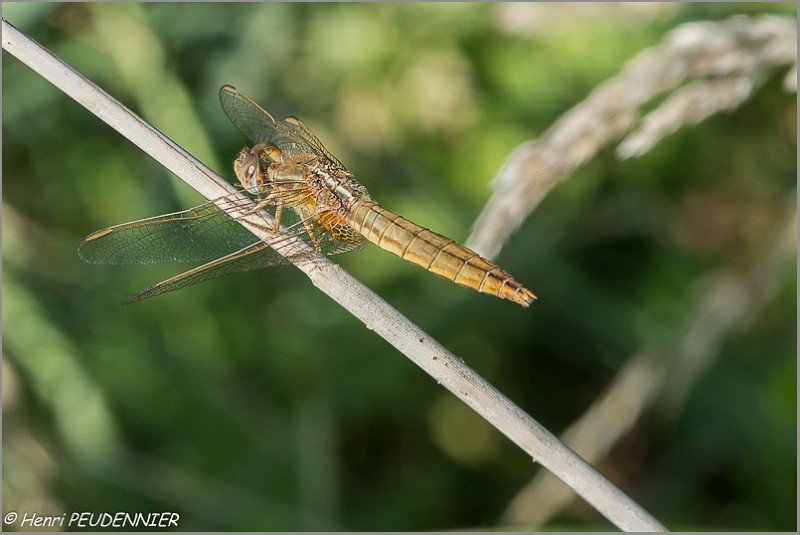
[(335, 186)]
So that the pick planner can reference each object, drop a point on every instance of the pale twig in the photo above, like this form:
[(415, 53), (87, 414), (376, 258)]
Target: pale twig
[(728, 61), (664, 374), (376, 314), (724, 62)]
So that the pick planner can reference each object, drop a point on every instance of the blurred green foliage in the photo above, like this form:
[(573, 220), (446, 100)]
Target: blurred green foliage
[(253, 402)]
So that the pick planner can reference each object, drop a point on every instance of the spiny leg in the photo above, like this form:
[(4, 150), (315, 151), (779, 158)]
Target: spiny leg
[(310, 232), (276, 222), (260, 206)]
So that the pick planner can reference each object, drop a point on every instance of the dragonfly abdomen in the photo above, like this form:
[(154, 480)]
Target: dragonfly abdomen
[(434, 252)]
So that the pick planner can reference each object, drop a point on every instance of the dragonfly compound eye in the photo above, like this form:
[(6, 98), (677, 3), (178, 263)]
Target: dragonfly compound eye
[(249, 174)]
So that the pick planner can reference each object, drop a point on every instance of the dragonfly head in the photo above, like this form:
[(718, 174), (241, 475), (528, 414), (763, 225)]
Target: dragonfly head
[(251, 166)]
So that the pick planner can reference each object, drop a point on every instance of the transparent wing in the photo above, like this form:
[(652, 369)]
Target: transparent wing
[(301, 130), (256, 256), (208, 234), (199, 234), (258, 125)]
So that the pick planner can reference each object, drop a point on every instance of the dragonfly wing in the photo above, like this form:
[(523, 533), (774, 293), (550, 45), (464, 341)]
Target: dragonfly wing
[(200, 234), (346, 240), (258, 125), (256, 256), (301, 130)]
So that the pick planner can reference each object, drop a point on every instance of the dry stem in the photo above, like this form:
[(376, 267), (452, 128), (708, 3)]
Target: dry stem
[(724, 63)]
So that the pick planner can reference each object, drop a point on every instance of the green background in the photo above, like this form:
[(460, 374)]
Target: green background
[(253, 402)]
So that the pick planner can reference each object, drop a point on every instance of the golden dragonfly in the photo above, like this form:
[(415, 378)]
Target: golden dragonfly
[(312, 199)]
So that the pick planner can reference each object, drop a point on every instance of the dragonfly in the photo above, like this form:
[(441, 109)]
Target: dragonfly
[(311, 202)]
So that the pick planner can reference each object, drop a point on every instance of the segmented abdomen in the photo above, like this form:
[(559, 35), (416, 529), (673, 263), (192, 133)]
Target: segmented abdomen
[(434, 252)]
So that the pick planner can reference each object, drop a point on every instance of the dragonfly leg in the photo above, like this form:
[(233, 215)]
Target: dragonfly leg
[(259, 206), (276, 223), (310, 231)]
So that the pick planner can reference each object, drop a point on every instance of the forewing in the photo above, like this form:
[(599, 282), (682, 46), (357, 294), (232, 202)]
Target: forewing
[(258, 125), (200, 234)]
